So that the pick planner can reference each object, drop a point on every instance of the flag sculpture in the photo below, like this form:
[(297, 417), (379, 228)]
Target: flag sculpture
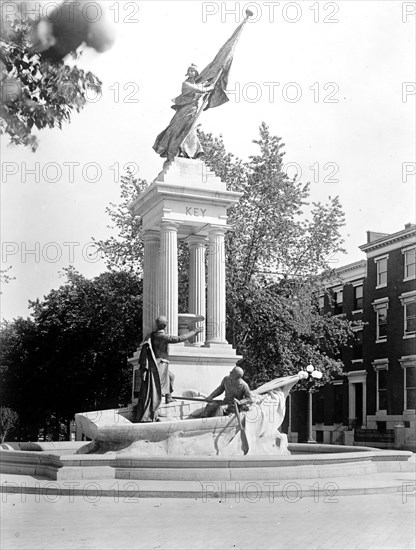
[(200, 91)]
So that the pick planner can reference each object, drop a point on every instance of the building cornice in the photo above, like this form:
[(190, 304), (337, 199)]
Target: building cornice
[(389, 240)]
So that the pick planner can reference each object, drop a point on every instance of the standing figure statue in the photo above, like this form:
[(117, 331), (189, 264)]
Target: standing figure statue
[(160, 345), (180, 137)]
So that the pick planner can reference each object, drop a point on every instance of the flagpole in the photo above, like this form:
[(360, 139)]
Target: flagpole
[(206, 98)]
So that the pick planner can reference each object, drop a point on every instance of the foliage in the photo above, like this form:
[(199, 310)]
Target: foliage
[(8, 420), (277, 259), (72, 355), (36, 93), (125, 251), (5, 277)]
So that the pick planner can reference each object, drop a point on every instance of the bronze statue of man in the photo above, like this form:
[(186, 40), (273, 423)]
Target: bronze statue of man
[(234, 387), (160, 345)]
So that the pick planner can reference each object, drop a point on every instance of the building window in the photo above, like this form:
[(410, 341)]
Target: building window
[(409, 263), (338, 299), (381, 313), (381, 367), (357, 346), (381, 264), (358, 297), (321, 304), (408, 300), (410, 388), (409, 318)]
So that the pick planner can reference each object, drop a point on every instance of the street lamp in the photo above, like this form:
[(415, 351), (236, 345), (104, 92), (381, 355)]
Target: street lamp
[(314, 374)]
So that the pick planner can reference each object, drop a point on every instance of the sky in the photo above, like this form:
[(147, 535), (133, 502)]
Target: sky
[(335, 80)]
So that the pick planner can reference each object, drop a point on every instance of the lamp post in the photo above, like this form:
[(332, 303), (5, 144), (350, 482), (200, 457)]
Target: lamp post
[(313, 375)]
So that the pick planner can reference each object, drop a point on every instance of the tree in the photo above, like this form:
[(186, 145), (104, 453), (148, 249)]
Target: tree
[(8, 420), (36, 92), (277, 258), (72, 355), (125, 250), (5, 277)]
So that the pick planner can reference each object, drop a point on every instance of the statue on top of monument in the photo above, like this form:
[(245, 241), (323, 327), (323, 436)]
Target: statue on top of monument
[(180, 137)]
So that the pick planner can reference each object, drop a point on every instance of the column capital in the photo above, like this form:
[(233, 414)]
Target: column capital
[(169, 225), (196, 240), (150, 236), (218, 229)]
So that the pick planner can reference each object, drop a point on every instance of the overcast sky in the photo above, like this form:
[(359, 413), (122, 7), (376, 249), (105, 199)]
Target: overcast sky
[(333, 79)]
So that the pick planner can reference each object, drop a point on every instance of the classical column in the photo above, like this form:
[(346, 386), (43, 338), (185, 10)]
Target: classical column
[(197, 281), (216, 287), (351, 401), (310, 422), (151, 240), (168, 287), (364, 403)]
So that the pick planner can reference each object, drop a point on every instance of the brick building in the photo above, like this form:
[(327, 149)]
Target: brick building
[(374, 402)]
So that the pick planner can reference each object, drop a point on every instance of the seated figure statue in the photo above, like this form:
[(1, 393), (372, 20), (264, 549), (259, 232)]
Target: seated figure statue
[(234, 387)]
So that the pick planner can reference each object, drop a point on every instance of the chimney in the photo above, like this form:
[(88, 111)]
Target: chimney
[(374, 236)]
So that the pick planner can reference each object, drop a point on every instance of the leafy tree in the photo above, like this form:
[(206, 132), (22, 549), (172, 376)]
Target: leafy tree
[(5, 277), (72, 355), (8, 420), (277, 254), (125, 250), (36, 92), (277, 259)]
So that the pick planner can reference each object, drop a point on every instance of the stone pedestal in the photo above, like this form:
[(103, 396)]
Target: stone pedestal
[(187, 201)]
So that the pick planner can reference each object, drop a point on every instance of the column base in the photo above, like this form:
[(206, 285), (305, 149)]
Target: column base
[(218, 345), (198, 368)]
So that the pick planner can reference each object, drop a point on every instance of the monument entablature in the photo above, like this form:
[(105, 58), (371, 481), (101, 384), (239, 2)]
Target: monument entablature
[(188, 194)]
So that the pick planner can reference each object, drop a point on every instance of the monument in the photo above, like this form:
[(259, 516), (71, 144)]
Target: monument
[(187, 201)]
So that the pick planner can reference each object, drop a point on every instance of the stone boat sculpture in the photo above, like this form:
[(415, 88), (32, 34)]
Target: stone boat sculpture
[(178, 431)]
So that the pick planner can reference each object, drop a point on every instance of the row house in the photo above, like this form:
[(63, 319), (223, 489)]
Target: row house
[(374, 402)]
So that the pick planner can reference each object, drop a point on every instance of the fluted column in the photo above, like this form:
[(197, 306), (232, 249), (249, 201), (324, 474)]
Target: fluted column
[(197, 300), (216, 287), (151, 241), (168, 288)]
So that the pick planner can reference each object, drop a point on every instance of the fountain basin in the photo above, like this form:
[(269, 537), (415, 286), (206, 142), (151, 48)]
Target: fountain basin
[(307, 461)]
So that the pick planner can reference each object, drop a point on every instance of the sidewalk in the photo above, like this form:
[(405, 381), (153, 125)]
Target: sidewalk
[(337, 522), (363, 511)]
